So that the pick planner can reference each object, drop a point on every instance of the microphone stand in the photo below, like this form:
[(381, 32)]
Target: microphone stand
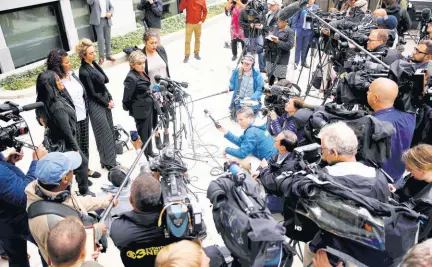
[(107, 211)]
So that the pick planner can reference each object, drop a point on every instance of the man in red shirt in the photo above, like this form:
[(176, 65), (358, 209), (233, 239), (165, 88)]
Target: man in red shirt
[(196, 13)]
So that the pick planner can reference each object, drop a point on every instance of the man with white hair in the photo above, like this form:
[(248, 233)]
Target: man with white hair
[(339, 146)]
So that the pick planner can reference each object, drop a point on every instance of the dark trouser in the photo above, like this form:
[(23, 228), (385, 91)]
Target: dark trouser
[(144, 128), (16, 250), (302, 43), (103, 129), (103, 33), (82, 136), (81, 174), (234, 45), (271, 80)]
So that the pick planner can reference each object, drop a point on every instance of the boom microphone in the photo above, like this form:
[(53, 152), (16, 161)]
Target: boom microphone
[(17, 109), (426, 14), (182, 84), (217, 124)]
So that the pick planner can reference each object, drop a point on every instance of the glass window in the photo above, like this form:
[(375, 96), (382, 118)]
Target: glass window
[(81, 14), (31, 33), (170, 8)]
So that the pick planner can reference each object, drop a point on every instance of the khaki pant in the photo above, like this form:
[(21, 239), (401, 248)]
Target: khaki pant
[(191, 28)]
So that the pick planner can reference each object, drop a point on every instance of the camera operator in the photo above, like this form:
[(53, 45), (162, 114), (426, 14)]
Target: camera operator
[(422, 54), (183, 253), (255, 142), (253, 34), (390, 24), (381, 96), (377, 42), (283, 161), (274, 7), (14, 227), (138, 230), (416, 191), (54, 177), (379, 13), (339, 146), (288, 120), (66, 245), (419, 255), (303, 28), (402, 16), (247, 83), (278, 45), (152, 10)]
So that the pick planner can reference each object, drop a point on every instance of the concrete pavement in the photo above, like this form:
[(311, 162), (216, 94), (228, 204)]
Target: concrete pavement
[(208, 76)]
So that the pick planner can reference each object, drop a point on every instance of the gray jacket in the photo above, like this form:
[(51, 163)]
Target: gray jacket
[(95, 13)]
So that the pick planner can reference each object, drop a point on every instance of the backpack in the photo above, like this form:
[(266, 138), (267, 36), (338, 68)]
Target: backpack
[(254, 239)]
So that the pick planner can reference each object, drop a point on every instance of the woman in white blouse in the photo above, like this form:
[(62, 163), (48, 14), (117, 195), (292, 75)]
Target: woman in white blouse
[(156, 64), (59, 62)]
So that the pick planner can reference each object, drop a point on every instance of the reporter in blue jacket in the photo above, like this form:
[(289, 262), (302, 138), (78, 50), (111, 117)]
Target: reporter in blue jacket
[(15, 232), (246, 82), (256, 141)]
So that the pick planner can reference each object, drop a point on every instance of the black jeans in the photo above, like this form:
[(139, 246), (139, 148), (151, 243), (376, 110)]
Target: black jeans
[(81, 174), (144, 129), (234, 45), (16, 250)]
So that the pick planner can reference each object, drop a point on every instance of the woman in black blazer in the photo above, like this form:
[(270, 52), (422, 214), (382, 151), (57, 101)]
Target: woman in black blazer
[(58, 61), (58, 115), (156, 63), (100, 103), (137, 99)]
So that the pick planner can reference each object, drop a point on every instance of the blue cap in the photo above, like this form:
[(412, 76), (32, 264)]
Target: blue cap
[(390, 22), (55, 166)]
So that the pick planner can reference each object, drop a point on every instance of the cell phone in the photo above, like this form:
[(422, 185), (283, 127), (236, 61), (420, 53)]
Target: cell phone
[(91, 245), (134, 135)]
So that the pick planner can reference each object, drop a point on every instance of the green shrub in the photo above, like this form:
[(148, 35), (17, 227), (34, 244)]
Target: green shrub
[(169, 25)]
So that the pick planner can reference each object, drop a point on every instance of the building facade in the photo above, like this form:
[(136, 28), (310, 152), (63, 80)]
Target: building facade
[(30, 29)]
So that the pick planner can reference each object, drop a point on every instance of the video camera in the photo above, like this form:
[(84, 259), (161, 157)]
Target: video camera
[(278, 95), (183, 215), (9, 113), (255, 10)]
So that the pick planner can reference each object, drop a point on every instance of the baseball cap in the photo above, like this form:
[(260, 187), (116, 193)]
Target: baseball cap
[(390, 22), (274, 2), (55, 165)]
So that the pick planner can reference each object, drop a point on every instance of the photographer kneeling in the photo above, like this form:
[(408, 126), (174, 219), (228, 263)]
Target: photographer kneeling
[(377, 42), (339, 146), (255, 142), (290, 120)]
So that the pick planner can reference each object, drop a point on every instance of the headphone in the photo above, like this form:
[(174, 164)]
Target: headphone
[(58, 199), (249, 56)]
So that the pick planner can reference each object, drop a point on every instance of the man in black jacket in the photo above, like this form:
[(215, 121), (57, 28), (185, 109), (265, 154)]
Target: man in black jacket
[(403, 18), (152, 10), (136, 233), (283, 161), (378, 43)]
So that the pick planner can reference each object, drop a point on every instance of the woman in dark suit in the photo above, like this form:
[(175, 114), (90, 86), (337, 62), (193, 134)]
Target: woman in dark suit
[(59, 62), (156, 63), (59, 117), (100, 103), (137, 99)]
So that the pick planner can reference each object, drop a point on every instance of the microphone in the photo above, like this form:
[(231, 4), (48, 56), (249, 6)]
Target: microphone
[(17, 109), (217, 124), (425, 14), (158, 78)]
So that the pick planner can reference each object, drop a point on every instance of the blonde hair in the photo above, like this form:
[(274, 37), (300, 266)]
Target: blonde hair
[(419, 157), (136, 57), (179, 254), (82, 46), (419, 256)]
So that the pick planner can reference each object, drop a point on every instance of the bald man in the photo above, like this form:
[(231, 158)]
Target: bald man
[(381, 96)]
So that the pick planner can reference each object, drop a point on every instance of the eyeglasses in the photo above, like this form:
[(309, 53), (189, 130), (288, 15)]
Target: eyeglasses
[(418, 51)]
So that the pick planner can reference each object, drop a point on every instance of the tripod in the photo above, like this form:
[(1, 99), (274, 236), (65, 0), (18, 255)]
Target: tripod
[(252, 36)]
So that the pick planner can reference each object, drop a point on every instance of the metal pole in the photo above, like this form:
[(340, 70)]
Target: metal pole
[(111, 204), (348, 39)]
